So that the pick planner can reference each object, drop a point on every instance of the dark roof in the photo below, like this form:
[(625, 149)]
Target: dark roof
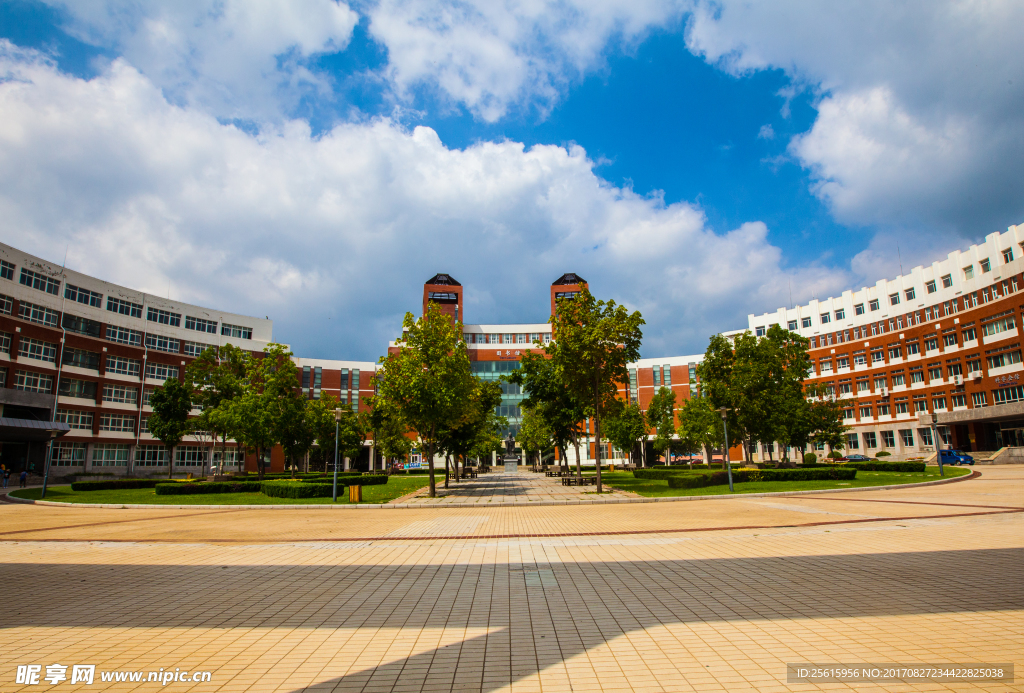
[(443, 280), (569, 278), (27, 430)]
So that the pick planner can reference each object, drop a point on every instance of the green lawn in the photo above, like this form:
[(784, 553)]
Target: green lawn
[(653, 488), (396, 487)]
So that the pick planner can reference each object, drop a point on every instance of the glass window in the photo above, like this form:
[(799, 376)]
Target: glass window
[(164, 317), (959, 401), (897, 379), (920, 406), (200, 325), (969, 272), (68, 454), (161, 371), (759, 331), (858, 309), (825, 318), (949, 340), (197, 348), (926, 436), (1007, 358), (851, 441), (39, 281), (33, 382), (189, 456), (901, 408), (39, 314), (888, 439), (947, 281), (236, 331), (75, 418), (84, 296), (997, 326), (969, 335), (79, 325), (160, 343), (907, 437), (865, 412), (82, 389), (791, 325), (870, 441), (909, 294), (916, 377), (123, 365), (150, 455), (122, 335), (840, 314), (913, 348), (894, 299), (120, 393), (1008, 255), (110, 455), (985, 265), (978, 399), (873, 304), (118, 423), (938, 403), (80, 358), (842, 362), (930, 287), (805, 322), (37, 349), (6, 270), (122, 307)]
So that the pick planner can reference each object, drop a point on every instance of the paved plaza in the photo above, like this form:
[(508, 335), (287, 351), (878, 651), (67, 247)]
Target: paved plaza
[(710, 595), (519, 488)]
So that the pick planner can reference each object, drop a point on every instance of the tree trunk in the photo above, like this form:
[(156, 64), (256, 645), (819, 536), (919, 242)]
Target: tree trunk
[(170, 462), (579, 470), (430, 468), (447, 469), (597, 433)]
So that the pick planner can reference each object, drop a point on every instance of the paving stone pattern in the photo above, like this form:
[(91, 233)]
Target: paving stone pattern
[(519, 488), (274, 600)]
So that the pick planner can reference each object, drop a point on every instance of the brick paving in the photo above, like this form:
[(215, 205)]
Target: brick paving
[(273, 600), (519, 488)]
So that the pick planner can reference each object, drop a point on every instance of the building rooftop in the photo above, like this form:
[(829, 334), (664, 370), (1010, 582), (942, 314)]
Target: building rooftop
[(569, 278), (443, 280)]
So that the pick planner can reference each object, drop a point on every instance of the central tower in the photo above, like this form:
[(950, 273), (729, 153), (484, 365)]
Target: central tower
[(446, 292)]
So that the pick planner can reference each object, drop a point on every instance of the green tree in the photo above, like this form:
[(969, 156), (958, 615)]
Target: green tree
[(320, 420), (169, 420), (561, 411), (389, 431), (700, 425), (594, 342), (428, 380), (294, 431), (628, 429), (534, 435), (216, 377), (661, 416), (479, 424), (271, 390)]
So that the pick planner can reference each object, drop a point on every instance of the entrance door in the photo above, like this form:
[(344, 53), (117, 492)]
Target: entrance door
[(14, 456)]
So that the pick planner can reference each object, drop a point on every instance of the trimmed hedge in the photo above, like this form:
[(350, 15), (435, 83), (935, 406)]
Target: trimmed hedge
[(885, 466), (350, 480), (661, 474), (189, 489), (739, 476), (288, 489), (117, 484)]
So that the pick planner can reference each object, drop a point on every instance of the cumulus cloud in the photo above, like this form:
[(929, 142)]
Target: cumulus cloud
[(238, 59), (920, 105), (329, 234)]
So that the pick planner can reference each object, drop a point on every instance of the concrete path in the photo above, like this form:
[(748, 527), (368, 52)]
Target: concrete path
[(513, 488), (701, 596)]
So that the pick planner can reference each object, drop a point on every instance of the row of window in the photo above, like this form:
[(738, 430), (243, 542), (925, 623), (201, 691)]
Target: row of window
[(507, 338), (888, 438), (31, 381), (67, 454)]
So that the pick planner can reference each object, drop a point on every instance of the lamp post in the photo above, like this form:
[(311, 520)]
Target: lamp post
[(725, 450), (935, 442), (46, 468), (337, 422)]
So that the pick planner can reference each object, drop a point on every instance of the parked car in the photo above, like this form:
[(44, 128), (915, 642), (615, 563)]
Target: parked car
[(956, 457), (855, 458)]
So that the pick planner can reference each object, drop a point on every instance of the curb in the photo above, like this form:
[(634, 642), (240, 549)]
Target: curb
[(527, 504)]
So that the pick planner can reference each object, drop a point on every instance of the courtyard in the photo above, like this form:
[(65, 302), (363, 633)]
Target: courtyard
[(716, 594)]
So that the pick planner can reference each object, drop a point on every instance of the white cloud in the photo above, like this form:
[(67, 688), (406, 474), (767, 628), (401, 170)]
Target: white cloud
[(240, 59), (327, 235), (767, 132), (921, 106), (492, 55)]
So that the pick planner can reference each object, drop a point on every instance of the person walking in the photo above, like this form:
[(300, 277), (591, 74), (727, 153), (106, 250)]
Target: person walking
[(7, 475), (23, 479)]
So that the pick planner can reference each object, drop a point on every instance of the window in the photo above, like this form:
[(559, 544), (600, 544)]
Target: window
[(5, 342), (954, 369), (37, 349), (883, 409), (494, 339), (118, 423), (926, 436), (123, 365), (842, 362), (6, 304), (521, 339), (6, 270), (873, 304), (863, 386), (931, 344), (897, 379), (547, 335), (870, 441), (907, 437), (894, 299), (916, 377), (791, 325), (75, 418), (880, 383), (997, 326), (189, 456), (826, 365), (122, 307), (146, 394), (82, 389), (825, 318), (949, 340), (160, 371), (506, 338), (901, 408), (40, 281), (33, 382), (160, 343), (120, 393), (913, 348), (920, 406), (985, 265), (947, 281), (909, 293), (895, 352), (938, 403), (83, 296), (1007, 358), (805, 322), (150, 456), (934, 373), (845, 389), (848, 413), (969, 335), (197, 348), (122, 335), (68, 454), (240, 332), (164, 317), (667, 369), (865, 412), (974, 366), (90, 328), (959, 401), (851, 441), (969, 272), (877, 357), (1008, 255), (860, 359), (858, 309), (110, 455), (33, 313), (840, 314), (80, 358), (888, 439), (200, 325), (978, 399), (759, 331), (930, 287)]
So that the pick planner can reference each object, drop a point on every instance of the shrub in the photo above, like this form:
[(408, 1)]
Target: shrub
[(663, 473), (835, 454), (886, 466), (883, 453), (810, 458), (743, 475), (189, 489), (326, 478), (289, 489), (117, 484)]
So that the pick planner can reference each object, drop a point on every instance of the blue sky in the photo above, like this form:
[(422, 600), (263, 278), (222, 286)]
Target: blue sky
[(316, 161)]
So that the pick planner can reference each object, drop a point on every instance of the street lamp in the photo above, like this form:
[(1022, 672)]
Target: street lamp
[(337, 422), (935, 441), (46, 468), (725, 451)]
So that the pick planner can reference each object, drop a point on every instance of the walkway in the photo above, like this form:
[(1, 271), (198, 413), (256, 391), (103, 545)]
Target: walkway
[(520, 488), (699, 596)]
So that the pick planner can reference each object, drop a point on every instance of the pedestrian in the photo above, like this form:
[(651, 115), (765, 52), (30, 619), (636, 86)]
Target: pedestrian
[(23, 479), (7, 476)]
